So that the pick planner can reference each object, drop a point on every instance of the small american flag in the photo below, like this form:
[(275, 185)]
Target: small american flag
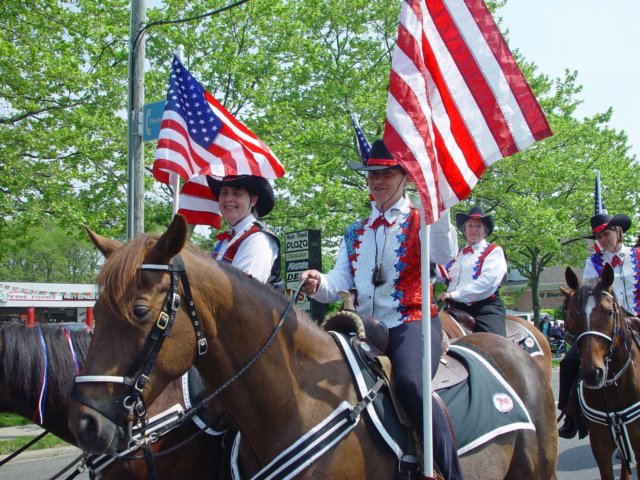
[(598, 202), (362, 144), (457, 100)]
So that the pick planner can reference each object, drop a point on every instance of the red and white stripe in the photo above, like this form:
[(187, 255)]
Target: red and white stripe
[(235, 151), (198, 204), (457, 100)]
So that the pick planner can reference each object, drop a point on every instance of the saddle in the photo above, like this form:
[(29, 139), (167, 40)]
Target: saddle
[(463, 318)]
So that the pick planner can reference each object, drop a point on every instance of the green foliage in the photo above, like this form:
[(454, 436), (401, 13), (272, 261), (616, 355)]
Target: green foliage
[(292, 72)]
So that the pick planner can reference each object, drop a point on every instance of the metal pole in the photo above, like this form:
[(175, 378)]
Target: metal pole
[(426, 346), (135, 145), (174, 177)]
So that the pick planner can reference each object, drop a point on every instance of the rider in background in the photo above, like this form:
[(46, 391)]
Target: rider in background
[(248, 245), (380, 256), (609, 233), (474, 276)]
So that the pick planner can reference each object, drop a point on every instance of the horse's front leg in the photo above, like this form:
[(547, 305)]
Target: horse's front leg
[(602, 449)]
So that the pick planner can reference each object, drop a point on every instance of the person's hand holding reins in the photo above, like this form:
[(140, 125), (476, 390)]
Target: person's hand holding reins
[(310, 280), (444, 297)]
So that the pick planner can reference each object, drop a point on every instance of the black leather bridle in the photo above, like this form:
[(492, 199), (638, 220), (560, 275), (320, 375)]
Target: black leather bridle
[(132, 408), (615, 329)]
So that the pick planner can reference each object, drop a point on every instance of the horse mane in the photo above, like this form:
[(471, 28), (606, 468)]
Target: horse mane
[(120, 270), (23, 359)]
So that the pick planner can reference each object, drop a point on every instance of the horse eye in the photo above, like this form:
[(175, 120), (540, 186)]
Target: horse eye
[(610, 313), (140, 311)]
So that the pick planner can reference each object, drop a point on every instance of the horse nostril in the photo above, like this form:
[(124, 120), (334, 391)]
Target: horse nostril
[(88, 426)]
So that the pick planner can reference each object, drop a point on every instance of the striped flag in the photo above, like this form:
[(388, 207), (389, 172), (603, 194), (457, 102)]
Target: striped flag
[(197, 203), (198, 137), (457, 100)]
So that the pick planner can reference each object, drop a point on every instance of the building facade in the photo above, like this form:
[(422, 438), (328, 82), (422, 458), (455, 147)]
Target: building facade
[(32, 303)]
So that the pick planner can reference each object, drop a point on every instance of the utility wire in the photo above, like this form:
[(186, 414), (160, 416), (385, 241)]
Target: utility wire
[(184, 20)]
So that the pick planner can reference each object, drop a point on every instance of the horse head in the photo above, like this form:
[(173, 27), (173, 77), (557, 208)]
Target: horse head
[(595, 318), (138, 308)]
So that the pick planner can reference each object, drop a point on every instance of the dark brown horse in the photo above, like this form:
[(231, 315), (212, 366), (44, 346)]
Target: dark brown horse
[(275, 371), (48, 353), (609, 390), (541, 355)]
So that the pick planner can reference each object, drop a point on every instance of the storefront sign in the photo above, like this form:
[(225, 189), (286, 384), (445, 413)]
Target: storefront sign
[(302, 252)]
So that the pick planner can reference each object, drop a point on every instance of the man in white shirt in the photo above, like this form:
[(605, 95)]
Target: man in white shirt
[(380, 256), (248, 245), (475, 275)]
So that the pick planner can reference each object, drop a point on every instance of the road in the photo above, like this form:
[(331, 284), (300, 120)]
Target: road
[(575, 461)]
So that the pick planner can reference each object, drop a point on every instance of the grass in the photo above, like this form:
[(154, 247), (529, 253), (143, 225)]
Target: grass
[(12, 420), (10, 446)]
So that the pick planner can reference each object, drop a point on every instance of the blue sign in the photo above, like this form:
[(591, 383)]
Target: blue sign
[(151, 120)]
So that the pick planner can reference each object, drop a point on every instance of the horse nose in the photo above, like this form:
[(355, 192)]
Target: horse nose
[(93, 432), (593, 378)]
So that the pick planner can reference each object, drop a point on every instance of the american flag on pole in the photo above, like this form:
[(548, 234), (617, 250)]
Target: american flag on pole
[(362, 144), (198, 137), (598, 202), (457, 100)]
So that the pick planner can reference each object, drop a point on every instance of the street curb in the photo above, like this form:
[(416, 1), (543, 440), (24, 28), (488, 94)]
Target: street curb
[(45, 453)]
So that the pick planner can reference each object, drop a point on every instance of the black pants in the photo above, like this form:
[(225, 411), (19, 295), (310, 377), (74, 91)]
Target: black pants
[(489, 315), (569, 369), (405, 347)]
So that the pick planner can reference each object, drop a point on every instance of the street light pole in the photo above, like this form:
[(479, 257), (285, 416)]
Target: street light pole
[(135, 144)]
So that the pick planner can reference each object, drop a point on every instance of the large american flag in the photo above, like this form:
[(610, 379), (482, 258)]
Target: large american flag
[(598, 201), (457, 100), (199, 137)]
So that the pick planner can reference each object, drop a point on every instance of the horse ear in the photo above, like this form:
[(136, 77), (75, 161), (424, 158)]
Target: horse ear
[(170, 242), (566, 292), (606, 279), (106, 245), (571, 278)]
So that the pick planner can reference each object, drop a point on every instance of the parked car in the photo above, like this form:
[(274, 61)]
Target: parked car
[(74, 326)]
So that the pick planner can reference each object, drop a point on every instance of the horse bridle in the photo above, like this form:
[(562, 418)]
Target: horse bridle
[(614, 331), (134, 402)]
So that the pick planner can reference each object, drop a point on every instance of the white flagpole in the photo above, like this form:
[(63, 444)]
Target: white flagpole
[(426, 343), (174, 178)]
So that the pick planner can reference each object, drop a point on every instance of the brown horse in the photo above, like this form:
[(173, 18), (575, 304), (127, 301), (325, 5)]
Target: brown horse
[(541, 355), (49, 353), (275, 371), (609, 390)]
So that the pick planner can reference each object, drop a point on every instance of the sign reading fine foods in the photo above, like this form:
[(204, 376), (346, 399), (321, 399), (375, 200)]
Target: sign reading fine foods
[(302, 252)]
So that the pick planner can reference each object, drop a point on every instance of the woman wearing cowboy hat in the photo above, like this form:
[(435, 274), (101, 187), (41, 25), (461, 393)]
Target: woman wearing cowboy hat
[(609, 233), (248, 245), (475, 275), (380, 257)]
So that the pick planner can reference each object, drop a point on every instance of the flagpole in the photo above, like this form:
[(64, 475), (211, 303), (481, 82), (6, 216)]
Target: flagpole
[(174, 178), (425, 275)]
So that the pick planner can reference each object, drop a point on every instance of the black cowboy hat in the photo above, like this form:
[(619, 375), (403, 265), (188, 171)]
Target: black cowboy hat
[(602, 221), (477, 213), (253, 184), (379, 159)]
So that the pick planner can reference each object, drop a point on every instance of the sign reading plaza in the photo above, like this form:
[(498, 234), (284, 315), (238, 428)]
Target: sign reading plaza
[(302, 252)]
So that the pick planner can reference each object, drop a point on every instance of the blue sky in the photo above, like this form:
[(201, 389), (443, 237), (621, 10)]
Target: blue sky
[(601, 40)]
